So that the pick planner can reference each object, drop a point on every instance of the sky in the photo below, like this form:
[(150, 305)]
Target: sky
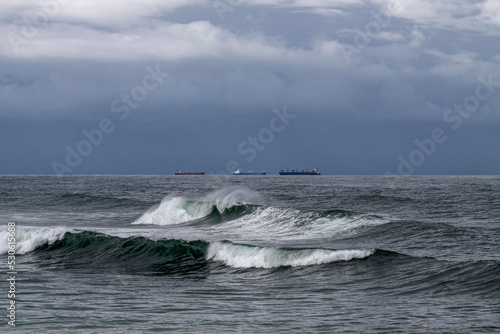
[(347, 86)]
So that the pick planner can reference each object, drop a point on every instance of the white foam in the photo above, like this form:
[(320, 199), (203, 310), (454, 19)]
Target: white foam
[(230, 196), (177, 210), (272, 223), (174, 210), (28, 239), (242, 256)]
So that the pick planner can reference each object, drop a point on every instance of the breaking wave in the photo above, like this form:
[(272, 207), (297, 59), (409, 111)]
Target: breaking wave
[(89, 247), (179, 209), (233, 212), (58, 247), (245, 256), (27, 240)]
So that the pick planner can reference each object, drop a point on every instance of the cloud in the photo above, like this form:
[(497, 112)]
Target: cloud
[(162, 41), (457, 15), (110, 13), (219, 63), (326, 12), (390, 36)]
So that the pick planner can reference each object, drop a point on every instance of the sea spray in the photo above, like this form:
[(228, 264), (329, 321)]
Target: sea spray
[(174, 210), (179, 209)]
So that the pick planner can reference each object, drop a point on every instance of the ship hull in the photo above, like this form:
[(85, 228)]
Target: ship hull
[(299, 173), (315, 171), (249, 173), (188, 173)]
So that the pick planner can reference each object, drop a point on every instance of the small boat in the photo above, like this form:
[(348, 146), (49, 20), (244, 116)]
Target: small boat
[(189, 173), (238, 172), (298, 172)]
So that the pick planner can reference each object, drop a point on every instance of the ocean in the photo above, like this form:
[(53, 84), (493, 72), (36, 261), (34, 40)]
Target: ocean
[(251, 254)]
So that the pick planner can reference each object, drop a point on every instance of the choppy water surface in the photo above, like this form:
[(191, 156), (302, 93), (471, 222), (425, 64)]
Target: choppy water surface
[(254, 254)]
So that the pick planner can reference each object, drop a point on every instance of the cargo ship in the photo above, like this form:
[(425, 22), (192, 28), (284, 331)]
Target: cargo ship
[(300, 172), (189, 173), (238, 172)]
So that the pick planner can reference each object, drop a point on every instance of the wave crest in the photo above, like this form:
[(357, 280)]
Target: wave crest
[(28, 239), (177, 210), (244, 256), (174, 210)]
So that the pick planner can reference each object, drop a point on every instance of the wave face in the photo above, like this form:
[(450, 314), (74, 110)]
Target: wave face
[(132, 254)]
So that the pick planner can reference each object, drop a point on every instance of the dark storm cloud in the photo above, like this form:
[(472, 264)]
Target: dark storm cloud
[(358, 75)]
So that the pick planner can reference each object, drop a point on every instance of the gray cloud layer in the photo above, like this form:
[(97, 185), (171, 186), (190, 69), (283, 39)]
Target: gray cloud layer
[(379, 69)]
